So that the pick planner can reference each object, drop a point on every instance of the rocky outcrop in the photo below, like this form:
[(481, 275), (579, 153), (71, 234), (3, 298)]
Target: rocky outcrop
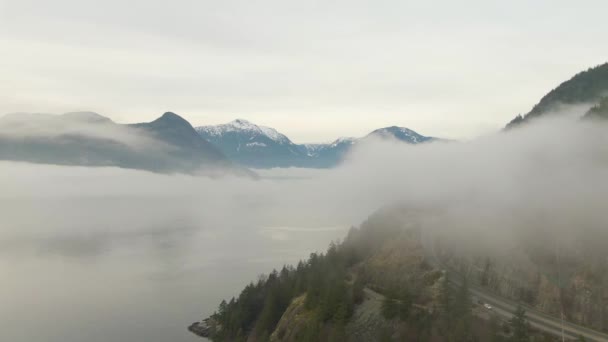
[(205, 328), (367, 323), (293, 322)]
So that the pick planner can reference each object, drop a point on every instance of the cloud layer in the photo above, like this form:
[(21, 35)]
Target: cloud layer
[(119, 249), (549, 175)]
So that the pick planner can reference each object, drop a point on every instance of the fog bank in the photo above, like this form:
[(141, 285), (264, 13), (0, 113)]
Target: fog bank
[(555, 168), (154, 244)]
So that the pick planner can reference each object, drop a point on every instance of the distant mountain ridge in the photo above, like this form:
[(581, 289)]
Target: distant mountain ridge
[(253, 145), (399, 133), (167, 144), (264, 147)]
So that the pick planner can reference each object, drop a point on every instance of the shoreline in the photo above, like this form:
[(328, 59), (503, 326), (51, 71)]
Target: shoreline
[(202, 329)]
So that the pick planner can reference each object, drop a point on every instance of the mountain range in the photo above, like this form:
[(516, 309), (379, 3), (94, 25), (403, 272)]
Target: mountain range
[(171, 144), (264, 147), (167, 144)]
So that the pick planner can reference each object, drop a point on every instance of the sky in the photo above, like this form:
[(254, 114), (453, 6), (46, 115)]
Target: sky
[(314, 70)]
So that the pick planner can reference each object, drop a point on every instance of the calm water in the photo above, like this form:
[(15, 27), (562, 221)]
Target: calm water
[(145, 288), (104, 254)]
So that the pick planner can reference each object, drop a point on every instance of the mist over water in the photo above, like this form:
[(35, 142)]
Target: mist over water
[(105, 254), (144, 287), (119, 255)]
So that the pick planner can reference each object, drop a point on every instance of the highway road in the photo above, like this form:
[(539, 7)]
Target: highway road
[(506, 308), (541, 321)]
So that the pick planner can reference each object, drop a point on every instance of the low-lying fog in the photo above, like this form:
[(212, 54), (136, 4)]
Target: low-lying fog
[(105, 254)]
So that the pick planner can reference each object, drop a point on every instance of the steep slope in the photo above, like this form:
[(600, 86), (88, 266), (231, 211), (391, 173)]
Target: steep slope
[(168, 144), (586, 87), (395, 279), (264, 147), (188, 148), (375, 286), (317, 300)]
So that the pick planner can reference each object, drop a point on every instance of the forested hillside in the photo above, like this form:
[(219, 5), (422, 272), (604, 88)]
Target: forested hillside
[(599, 111), (586, 87), (376, 285)]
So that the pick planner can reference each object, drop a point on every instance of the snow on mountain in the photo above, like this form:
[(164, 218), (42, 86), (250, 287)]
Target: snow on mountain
[(316, 150), (258, 144), (343, 141), (244, 127), (399, 133), (253, 145), (264, 147)]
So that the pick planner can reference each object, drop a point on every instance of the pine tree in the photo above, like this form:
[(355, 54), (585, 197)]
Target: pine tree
[(521, 327), (445, 297), (485, 276), (461, 313)]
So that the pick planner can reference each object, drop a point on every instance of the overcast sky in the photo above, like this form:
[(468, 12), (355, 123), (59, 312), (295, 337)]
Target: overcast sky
[(315, 70)]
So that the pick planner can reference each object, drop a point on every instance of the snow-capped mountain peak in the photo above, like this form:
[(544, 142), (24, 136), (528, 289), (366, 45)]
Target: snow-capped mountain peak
[(242, 124), (274, 134), (244, 127), (343, 140), (399, 133), (264, 147)]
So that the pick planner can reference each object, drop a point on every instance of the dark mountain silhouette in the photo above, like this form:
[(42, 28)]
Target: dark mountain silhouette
[(585, 88), (167, 144)]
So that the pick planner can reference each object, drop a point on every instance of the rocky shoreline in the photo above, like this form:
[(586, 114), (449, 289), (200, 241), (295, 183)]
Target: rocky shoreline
[(204, 328)]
